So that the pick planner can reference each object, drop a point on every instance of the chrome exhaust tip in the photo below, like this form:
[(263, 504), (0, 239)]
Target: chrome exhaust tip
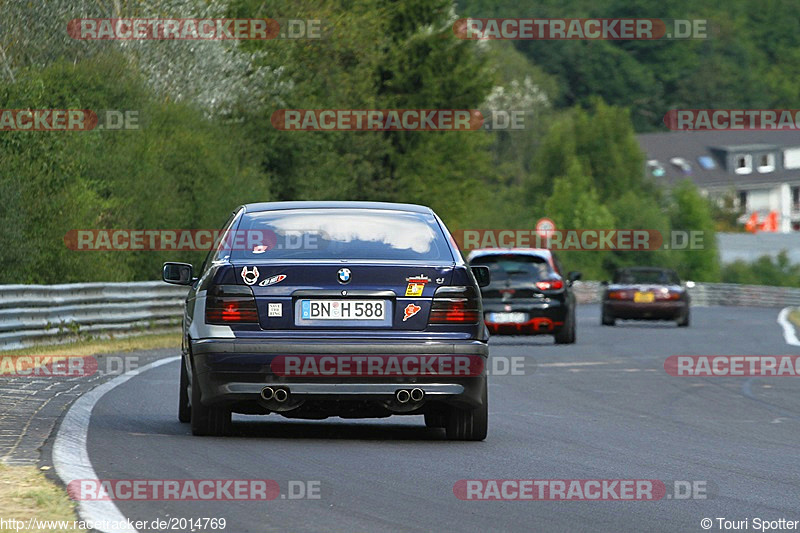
[(402, 396), (281, 395), (267, 393), (417, 394)]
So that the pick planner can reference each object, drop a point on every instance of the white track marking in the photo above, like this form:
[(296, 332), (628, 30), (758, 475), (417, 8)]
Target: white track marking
[(789, 333), (71, 457)]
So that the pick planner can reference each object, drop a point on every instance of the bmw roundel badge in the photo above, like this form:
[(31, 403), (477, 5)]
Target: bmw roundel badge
[(343, 275)]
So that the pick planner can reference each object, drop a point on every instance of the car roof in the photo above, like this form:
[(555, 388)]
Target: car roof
[(330, 204), (543, 253)]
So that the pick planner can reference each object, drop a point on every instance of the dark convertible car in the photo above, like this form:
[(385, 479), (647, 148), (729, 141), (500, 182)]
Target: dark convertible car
[(645, 293), (527, 294), (350, 309)]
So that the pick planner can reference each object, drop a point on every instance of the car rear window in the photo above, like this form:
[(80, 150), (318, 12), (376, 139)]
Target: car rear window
[(504, 267), (344, 233), (633, 277)]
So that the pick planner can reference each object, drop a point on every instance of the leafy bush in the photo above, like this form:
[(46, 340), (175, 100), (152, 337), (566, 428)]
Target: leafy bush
[(766, 270)]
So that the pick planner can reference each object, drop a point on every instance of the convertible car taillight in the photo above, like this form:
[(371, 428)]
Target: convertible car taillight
[(550, 285), (455, 305), (668, 295), (619, 295), (231, 304)]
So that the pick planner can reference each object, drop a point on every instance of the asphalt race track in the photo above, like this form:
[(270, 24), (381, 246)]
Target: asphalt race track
[(601, 409)]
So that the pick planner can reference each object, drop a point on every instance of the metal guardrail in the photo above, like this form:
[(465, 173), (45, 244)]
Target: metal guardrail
[(713, 294), (31, 314)]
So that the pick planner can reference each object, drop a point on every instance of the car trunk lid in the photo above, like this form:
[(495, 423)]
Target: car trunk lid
[(342, 294)]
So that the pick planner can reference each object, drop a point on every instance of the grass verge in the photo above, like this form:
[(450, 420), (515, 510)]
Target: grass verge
[(84, 348), (98, 346), (26, 493), (794, 317)]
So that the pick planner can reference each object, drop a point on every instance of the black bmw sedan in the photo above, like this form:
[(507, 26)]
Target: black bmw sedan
[(318, 309)]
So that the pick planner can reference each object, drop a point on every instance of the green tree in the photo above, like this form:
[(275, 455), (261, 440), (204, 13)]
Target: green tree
[(180, 170), (575, 204), (639, 211), (691, 213), (380, 55), (766, 270), (603, 139)]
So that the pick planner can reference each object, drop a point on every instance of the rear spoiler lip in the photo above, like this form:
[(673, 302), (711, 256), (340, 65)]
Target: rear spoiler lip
[(338, 292)]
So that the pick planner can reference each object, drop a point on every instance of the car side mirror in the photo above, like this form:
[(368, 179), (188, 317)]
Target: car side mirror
[(574, 276), (177, 273), (482, 275), (690, 284), (604, 283)]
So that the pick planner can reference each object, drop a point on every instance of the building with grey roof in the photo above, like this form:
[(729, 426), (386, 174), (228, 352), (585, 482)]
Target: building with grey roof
[(759, 169)]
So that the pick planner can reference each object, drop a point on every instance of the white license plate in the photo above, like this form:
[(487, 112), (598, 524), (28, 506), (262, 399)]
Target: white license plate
[(507, 318), (342, 309)]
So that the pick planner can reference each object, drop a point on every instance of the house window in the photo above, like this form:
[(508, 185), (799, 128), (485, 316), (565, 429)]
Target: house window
[(743, 164), (743, 200), (766, 162), (795, 198), (655, 168), (791, 158), (682, 164), (707, 162)]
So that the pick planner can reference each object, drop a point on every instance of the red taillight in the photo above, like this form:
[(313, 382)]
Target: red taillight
[(231, 304), (455, 305), (671, 295), (619, 295), (551, 285)]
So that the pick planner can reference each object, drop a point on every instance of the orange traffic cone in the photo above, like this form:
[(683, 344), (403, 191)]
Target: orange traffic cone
[(752, 223), (770, 222)]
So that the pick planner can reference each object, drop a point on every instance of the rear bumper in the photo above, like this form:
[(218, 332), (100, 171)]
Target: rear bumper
[(328, 391), (645, 311), (237, 370), (544, 318)]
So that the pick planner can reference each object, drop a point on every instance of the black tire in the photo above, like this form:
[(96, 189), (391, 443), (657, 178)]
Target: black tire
[(469, 424), (683, 321), (208, 421), (566, 335), (607, 320), (435, 419), (184, 407)]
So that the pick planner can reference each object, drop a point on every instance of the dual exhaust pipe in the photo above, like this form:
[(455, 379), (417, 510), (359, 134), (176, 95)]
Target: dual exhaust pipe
[(279, 395), (402, 396), (413, 395)]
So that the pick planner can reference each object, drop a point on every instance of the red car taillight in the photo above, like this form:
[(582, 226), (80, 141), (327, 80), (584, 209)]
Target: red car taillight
[(455, 305), (551, 285), (618, 295), (231, 304)]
